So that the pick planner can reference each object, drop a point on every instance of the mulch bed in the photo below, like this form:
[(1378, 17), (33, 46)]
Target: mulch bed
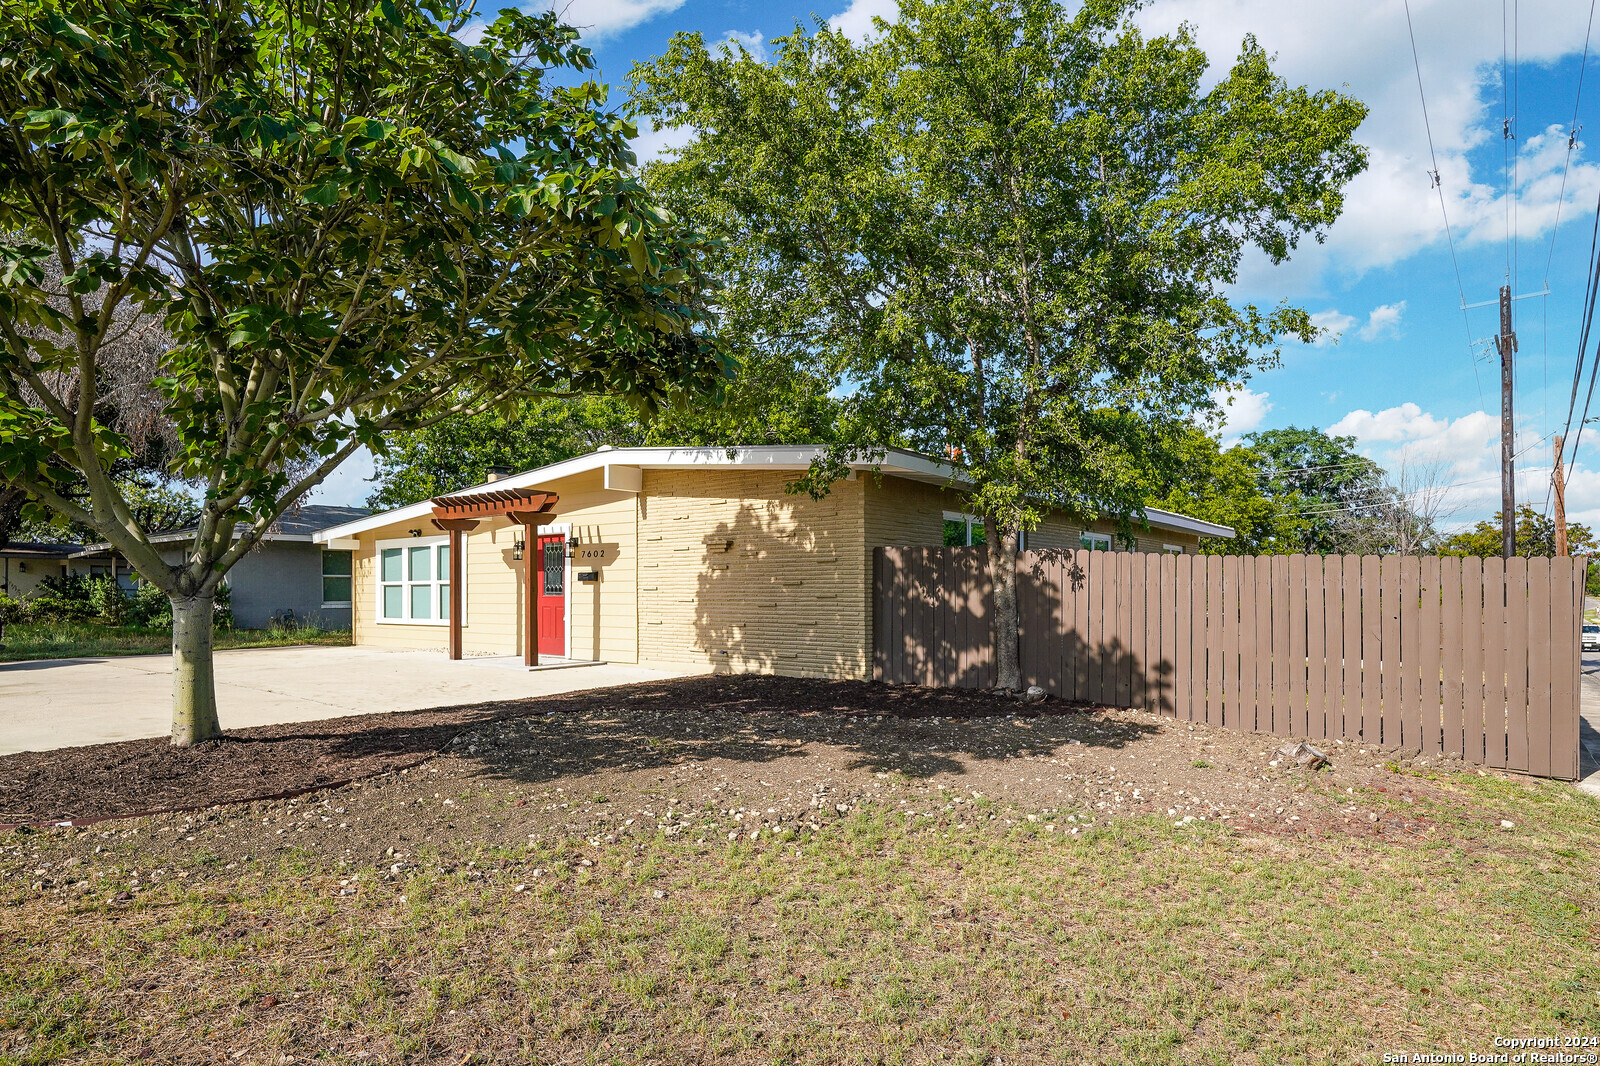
[(142, 776)]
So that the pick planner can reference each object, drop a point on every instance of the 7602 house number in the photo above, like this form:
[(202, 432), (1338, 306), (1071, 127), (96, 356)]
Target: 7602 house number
[(591, 553)]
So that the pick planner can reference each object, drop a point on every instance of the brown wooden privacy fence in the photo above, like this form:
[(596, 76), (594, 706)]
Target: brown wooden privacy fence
[(1471, 657)]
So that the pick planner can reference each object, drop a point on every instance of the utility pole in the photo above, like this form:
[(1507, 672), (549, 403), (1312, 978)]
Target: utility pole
[(1507, 345), (1561, 501)]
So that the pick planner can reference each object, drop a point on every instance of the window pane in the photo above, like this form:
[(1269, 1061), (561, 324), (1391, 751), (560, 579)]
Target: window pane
[(955, 533), (336, 564), (979, 534), (444, 561), (391, 565), (421, 563), (444, 603), (393, 601), (421, 601), (555, 566), (335, 590)]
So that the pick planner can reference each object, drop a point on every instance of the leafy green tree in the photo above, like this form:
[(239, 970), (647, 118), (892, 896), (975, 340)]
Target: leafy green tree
[(350, 222), (1224, 486), (1536, 536), (1324, 492), (461, 451), (1007, 230), (764, 404)]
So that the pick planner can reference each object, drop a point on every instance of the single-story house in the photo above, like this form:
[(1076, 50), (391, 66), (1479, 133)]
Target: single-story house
[(23, 564), (288, 577), (671, 557)]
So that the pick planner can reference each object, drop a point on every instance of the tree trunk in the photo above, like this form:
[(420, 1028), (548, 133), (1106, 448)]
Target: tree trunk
[(194, 689), (1007, 621)]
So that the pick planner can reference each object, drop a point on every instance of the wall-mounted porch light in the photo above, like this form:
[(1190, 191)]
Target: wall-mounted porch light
[(517, 548)]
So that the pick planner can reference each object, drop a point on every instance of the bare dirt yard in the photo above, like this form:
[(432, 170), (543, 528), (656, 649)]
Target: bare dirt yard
[(757, 870)]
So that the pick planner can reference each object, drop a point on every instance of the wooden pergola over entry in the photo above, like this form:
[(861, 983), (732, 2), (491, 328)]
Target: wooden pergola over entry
[(458, 515)]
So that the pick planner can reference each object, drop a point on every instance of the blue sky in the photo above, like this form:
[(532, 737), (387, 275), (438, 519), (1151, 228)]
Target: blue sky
[(1398, 370)]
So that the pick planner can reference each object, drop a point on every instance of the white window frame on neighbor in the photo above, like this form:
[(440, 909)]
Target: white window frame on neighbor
[(1173, 549), (1094, 542), (328, 604), (437, 582)]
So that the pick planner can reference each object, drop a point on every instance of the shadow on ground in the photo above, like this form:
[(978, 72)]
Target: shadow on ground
[(751, 719)]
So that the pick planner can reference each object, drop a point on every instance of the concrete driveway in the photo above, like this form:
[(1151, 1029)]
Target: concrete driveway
[(63, 703)]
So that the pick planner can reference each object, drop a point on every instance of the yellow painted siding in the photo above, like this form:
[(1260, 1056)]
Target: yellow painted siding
[(736, 575), (708, 568), (601, 616)]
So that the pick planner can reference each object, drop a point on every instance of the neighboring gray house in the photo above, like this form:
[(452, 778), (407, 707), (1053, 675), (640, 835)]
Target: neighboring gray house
[(287, 577)]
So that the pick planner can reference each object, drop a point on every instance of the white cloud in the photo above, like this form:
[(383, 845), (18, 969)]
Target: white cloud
[(753, 43), (653, 144), (855, 21), (1331, 325), (1383, 320), (595, 19), (599, 19), (1242, 411), (1464, 456), (1391, 210)]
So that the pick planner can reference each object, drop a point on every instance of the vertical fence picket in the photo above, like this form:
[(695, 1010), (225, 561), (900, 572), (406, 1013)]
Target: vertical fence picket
[(1430, 647), (1516, 664), (1138, 594), (1317, 579), (1077, 636), (1182, 632), (1493, 723), (1536, 722), (1133, 596), (1451, 643), (1370, 693), (1474, 709), (1296, 623), (1208, 615), (1233, 627), (1262, 712), (1567, 580), (1349, 723), (1388, 665), (1408, 669)]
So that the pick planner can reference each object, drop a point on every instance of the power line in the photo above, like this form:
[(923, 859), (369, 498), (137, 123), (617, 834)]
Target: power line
[(1438, 184), (1572, 140), (1593, 275)]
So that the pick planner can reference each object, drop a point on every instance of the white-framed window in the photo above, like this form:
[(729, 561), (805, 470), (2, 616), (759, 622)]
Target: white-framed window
[(1095, 542), (963, 530), (336, 578), (414, 581), (1172, 549)]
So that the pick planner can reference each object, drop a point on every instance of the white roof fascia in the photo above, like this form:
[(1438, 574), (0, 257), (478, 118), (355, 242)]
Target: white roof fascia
[(183, 535), (1159, 519), (894, 461)]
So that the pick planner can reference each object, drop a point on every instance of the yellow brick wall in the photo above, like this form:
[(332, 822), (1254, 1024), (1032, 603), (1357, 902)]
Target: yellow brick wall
[(910, 513), (735, 575)]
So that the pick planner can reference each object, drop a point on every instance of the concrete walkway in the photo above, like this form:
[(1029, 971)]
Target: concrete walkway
[(63, 703)]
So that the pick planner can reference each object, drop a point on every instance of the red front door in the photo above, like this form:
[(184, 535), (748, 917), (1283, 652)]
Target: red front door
[(552, 604)]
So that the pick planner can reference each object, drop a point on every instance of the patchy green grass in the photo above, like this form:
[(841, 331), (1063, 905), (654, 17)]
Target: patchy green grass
[(880, 938), (72, 640)]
